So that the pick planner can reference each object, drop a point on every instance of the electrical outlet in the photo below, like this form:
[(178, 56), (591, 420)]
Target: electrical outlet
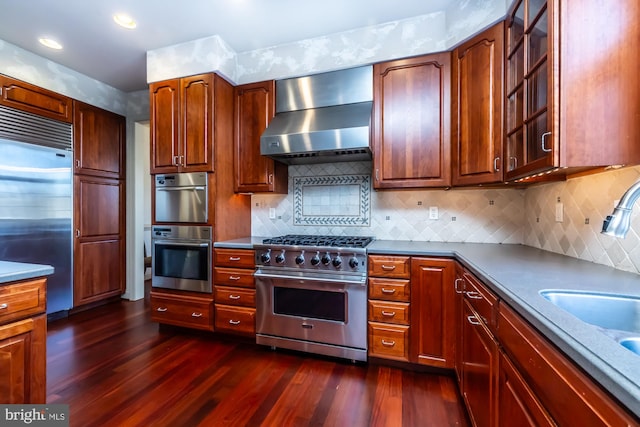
[(272, 213), (433, 212), (559, 212)]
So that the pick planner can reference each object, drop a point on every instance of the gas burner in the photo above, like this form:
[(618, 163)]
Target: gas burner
[(326, 241)]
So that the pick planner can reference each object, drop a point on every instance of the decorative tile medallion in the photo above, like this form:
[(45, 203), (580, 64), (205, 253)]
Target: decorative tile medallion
[(343, 200)]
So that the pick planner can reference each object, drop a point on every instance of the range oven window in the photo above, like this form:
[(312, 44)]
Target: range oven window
[(310, 303), (182, 261)]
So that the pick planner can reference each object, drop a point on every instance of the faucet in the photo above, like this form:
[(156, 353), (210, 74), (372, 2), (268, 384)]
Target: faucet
[(617, 224)]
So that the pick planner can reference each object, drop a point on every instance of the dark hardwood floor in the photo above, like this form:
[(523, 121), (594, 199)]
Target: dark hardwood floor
[(116, 368)]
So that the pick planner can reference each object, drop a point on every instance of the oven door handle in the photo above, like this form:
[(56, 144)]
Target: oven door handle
[(259, 274), (180, 243), (196, 188)]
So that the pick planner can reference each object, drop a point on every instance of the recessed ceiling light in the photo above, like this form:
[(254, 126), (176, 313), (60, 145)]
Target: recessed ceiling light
[(124, 20), (50, 43)]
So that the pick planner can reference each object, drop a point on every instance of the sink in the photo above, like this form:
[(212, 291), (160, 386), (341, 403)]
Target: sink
[(632, 344), (608, 311)]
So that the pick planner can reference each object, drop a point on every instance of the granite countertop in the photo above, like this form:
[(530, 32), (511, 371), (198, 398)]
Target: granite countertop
[(12, 271), (517, 274)]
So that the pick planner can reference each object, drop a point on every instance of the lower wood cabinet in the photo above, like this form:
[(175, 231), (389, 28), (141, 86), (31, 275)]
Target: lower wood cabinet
[(180, 308), (238, 320), (23, 342)]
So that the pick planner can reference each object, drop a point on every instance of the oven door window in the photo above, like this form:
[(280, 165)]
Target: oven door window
[(310, 303), (182, 261)]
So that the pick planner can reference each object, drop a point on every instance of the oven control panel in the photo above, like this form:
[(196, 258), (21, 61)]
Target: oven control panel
[(313, 259)]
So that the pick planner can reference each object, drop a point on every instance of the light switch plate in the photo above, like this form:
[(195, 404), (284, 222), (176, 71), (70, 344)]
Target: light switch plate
[(272, 213), (559, 212), (433, 212)]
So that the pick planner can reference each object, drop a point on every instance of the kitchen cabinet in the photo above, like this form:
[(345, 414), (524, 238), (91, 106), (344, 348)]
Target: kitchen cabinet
[(432, 339), (458, 286), (254, 107), (183, 121), (35, 100), (99, 244), (234, 288), (99, 142), (411, 122), (567, 394), (180, 308), (389, 306), (571, 91), (477, 100), (23, 337)]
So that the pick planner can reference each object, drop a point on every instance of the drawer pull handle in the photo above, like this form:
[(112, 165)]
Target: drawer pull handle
[(194, 314), (388, 343), (234, 277), (388, 313), (4, 306), (474, 295), (388, 267), (162, 309), (234, 296), (234, 258), (234, 322), (388, 291), (473, 320), (455, 285)]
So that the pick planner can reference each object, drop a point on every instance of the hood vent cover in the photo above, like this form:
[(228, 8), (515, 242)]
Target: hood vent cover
[(322, 118)]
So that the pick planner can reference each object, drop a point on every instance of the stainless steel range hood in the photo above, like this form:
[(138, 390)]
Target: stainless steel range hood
[(321, 118)]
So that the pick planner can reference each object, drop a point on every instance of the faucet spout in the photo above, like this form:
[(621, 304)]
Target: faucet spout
[(617, 224)]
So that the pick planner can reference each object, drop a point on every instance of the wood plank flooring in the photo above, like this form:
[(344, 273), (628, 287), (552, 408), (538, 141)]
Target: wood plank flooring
[(114, 367)]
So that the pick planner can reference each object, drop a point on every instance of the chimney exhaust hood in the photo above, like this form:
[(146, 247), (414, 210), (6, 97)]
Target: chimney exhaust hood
[(321, 118)]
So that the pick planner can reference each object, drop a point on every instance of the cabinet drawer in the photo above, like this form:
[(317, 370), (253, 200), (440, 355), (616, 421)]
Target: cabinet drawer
[(389, 341), (483, 301), (390, 266), (240, 258), (389, 312), (22, 299), (233, 277), (182, 310), (235, 296), (235, 319), (389, 289)]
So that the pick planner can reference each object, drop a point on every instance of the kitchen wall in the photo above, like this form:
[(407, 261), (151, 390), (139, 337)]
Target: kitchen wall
[(478, 215)]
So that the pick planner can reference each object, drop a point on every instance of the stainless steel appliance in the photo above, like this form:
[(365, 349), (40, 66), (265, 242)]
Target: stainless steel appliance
[(321, 118), (311, 294), (182, 197), (36, 206), (181, 257)]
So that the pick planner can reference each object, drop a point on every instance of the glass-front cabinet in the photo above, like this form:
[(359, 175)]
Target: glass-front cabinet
[(530, 148)]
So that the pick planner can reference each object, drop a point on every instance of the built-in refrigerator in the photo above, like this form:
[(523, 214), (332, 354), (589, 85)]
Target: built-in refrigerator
[(36, 206)]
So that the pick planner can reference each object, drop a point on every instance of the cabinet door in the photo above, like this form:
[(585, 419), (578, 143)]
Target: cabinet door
[(99, 244), (411, 122), (479, 369), (99, 141), (36, 100), (196, 109), (254, 108), (477, 107), (164, 116), (432, 340), (458, 286)]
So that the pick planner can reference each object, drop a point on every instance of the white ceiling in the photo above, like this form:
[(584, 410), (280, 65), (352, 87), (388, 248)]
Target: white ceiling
[(95, 46)]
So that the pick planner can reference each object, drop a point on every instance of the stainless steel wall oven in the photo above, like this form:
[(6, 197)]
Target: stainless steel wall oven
[(181, 198), (181, 257)]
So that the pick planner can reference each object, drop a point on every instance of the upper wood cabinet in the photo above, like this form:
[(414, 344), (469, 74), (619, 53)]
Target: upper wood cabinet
[(571, 86), (411, 122), (182, 124), (99, 141), (254, 107), (36, 100), (477, 100)]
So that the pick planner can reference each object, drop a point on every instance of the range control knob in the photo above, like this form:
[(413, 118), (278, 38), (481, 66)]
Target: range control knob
[(300, 259), (280, 257), (353, 262), (326, 259), (266, 257), (337, 261), (316, 259)]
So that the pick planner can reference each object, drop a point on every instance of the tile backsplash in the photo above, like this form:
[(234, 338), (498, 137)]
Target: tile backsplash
[(470, 215)]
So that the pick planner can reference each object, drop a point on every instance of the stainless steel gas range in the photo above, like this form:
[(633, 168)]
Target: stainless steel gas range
[(311, 294)]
